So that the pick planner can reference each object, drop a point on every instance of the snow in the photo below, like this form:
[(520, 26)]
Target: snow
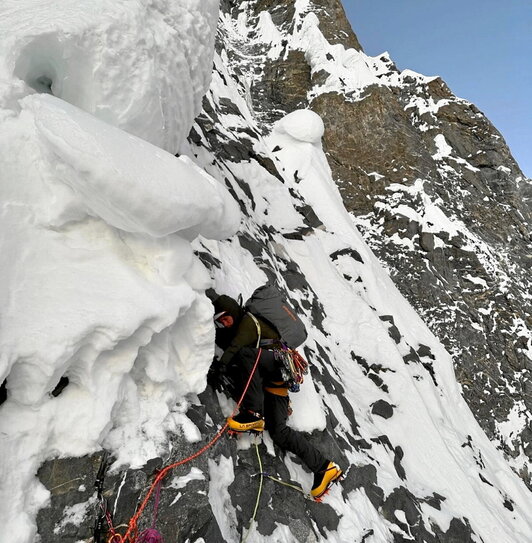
[(194, 474), (143, 67), (221, 475), (86, 153), (75, 514), (443, 148), (302, 125), (99, 281), (426, 105), (476, 280)]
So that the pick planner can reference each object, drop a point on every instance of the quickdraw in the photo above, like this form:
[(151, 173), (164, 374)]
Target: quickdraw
[(102, 534), (293, 367)]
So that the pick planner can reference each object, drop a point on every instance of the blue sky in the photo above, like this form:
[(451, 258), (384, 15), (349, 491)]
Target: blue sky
[(481, 48)]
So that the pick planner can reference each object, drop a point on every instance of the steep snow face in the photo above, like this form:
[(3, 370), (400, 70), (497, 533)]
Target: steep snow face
[(382, 381), (430, 184), (141, 66), (99, 286)]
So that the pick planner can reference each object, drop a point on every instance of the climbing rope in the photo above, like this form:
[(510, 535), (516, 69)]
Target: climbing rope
[(258, 495), (132, 535), (284, 483)]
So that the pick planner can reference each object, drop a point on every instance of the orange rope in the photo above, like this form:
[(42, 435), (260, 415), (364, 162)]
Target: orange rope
[(132, 531)]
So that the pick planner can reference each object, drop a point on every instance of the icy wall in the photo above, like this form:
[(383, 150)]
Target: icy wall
[(99, 284)]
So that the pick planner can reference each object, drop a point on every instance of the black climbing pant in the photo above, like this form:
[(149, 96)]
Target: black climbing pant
[(272, 406)]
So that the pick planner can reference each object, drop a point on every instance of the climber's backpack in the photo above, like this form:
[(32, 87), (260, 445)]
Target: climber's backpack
[(269, 304)]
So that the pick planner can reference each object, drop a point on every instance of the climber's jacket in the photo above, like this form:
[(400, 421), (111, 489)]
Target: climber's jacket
[(245, 333)]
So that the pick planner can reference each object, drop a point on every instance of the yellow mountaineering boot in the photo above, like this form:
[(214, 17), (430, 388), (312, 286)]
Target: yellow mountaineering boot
[(324, 478), (246, 421)]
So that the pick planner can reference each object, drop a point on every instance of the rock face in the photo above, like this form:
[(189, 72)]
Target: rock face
[(434, 191), (432, 187)]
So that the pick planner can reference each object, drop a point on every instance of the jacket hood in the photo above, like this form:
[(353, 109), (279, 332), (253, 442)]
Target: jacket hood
[(233, 308)]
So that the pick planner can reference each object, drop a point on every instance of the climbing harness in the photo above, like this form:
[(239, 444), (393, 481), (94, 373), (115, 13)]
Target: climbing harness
[(153, 536)]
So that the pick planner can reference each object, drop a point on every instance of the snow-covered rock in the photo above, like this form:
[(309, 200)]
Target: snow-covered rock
[(110, 242)]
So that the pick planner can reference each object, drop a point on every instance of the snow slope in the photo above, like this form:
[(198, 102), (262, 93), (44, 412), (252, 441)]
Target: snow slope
[(372, 343), (433, 188)]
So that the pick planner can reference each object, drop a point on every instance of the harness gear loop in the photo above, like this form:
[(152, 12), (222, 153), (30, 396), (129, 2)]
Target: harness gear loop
[(293, 367)]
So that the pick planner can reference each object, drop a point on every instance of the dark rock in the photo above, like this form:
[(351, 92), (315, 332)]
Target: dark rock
[(228, 107), (426, 240), (392, 328), (349, 252), (3, 392), (403, 500), (424, 350), (309, 216), (363, 477), (383, 409), (208, 260), (435, 501), (412, 356), (398, 456), (61, 385)]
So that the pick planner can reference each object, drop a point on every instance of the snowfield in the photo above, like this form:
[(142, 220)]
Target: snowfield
[(100, 283)]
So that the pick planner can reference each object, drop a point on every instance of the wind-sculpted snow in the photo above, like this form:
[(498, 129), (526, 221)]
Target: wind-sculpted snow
[(151, 191), (141, 66), (105, 325)]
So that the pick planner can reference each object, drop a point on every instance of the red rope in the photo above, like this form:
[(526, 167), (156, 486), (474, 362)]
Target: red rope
[(132, 531)]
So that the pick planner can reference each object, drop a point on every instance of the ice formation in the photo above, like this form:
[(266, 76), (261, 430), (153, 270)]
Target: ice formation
[(99, 283)]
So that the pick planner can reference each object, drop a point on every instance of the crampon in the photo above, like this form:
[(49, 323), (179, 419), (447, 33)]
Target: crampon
[(339, 478)]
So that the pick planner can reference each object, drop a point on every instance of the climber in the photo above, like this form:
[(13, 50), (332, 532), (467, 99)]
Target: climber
[(266, 404)]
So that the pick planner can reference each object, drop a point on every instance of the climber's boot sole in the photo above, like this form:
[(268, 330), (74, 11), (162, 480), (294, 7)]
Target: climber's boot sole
[(332, 474), (240, 427)]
